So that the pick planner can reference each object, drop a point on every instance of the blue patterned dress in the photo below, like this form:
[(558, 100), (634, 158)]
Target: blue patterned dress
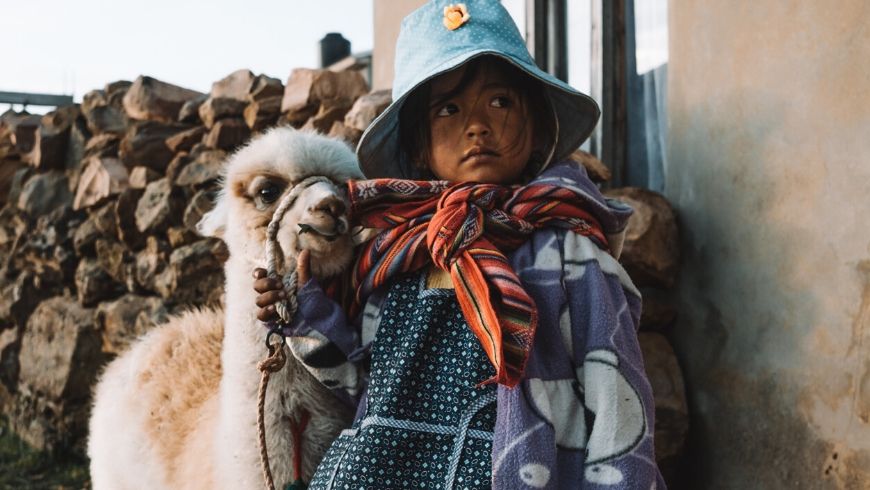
[(582, 417), (426, 423)]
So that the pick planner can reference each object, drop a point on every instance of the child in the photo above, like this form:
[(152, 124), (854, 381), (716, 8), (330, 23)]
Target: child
[(492, 342)]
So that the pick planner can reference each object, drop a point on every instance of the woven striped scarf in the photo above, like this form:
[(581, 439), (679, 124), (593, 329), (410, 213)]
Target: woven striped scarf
[(465, 229)]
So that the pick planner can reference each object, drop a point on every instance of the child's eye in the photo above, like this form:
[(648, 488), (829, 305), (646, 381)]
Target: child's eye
[(500, 101), (447, 110)]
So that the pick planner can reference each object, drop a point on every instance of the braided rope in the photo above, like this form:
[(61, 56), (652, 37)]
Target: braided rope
[(267, 366), (285, 309)]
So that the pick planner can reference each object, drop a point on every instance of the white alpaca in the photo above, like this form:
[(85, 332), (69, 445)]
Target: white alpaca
[(179, 410)]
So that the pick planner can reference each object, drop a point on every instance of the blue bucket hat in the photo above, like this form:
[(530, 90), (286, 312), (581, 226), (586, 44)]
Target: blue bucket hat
[(428, 47)]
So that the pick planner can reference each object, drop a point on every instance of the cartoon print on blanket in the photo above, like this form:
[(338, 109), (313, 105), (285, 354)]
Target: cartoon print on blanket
[(606, 388), (588, 408)]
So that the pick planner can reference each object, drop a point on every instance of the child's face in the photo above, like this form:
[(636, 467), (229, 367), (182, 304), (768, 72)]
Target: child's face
[(483, 132)]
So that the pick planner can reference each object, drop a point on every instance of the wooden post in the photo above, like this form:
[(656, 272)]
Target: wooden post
[(609, 85), (547, 35)]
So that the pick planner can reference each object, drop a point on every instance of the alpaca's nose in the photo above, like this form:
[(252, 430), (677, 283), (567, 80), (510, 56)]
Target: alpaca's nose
[(331, 205)]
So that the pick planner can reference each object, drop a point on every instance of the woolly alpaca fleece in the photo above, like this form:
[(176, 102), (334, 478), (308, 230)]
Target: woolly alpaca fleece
[(290, 154), (178, 409)]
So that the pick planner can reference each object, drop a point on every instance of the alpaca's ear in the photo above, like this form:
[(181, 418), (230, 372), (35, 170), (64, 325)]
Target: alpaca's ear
[(214, 223)]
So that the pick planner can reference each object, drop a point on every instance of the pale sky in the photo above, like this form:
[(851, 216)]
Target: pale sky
[(74, 46)]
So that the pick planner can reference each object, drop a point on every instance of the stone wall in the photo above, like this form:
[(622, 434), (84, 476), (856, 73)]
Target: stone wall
[(98, 233), (98, 239)]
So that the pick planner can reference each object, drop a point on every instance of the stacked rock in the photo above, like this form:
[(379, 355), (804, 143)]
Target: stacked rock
[(98, 210)]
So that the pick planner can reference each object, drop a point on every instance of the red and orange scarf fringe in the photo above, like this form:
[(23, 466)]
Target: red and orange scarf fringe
[(465, 229)]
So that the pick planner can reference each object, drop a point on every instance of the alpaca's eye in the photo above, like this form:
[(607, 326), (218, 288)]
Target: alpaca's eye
[(269, 193)]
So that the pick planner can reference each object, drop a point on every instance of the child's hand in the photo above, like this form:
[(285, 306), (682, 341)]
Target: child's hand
[(270, 290)]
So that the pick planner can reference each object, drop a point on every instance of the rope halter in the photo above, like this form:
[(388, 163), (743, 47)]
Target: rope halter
[(287, 308)]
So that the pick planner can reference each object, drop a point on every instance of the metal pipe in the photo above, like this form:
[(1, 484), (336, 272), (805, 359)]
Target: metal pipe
[(25, 98)]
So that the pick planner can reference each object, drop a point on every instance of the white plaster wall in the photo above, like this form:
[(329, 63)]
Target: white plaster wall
[(388, 15), (769, 169)]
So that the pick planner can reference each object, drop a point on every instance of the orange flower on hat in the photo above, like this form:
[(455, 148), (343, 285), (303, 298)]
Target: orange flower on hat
[(455, 15)]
